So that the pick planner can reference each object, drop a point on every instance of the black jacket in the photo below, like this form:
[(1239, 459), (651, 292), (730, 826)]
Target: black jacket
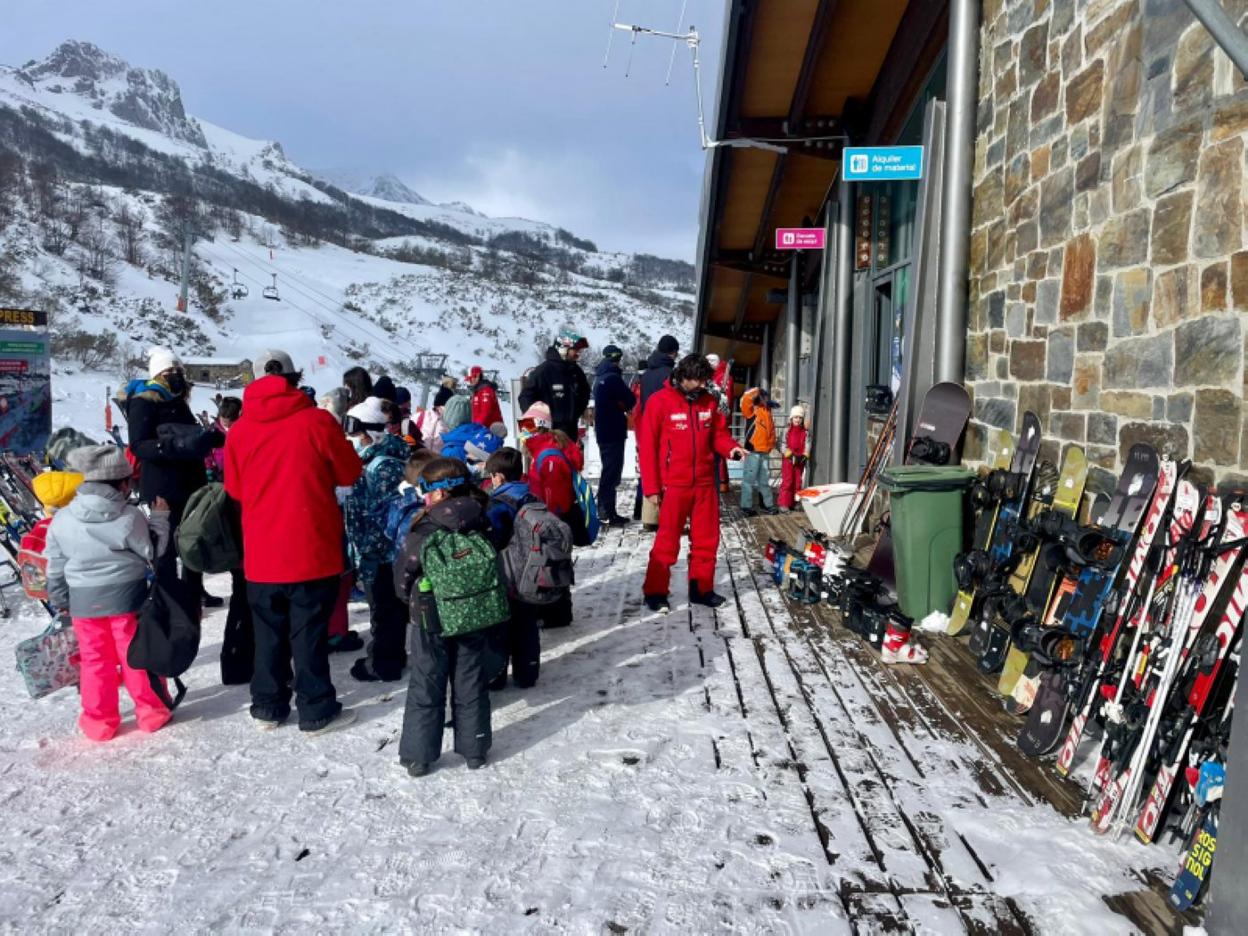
[(562, 386), (613, 401), (169, 470), (654, 378), (456, 514)]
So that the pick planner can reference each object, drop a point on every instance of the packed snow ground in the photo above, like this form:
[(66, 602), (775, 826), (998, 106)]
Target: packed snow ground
[(691, 772)]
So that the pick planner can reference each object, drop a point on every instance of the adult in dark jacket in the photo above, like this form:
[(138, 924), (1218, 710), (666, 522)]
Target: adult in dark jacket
[(613, 400), (469, 661), (283, 460), (560, 383), (170, 445), (653, 379)]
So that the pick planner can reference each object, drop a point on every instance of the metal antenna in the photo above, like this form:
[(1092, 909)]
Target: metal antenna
[(611, 33), (693, 41), (672, 60)]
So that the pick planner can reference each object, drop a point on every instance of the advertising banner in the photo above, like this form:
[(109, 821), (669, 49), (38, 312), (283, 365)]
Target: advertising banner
[(25, 381)]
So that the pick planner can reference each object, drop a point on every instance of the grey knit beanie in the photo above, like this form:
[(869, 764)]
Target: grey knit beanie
[(100, 462), (458, 411)]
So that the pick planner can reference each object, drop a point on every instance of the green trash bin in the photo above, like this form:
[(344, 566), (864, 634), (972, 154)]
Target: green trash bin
[(927, 512)]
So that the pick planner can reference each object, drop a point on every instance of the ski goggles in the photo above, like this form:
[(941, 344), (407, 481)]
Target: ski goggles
[(428, 487), (353, 425)]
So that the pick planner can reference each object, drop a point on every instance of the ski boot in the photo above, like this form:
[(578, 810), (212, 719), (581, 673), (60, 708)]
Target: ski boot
[(897, 645)]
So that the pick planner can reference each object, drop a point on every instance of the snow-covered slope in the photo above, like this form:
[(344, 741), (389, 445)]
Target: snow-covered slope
[(96, 159)]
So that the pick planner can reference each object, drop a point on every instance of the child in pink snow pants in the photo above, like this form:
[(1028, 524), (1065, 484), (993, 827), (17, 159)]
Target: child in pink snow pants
[(102, 645), (794, 457), (99, 550)]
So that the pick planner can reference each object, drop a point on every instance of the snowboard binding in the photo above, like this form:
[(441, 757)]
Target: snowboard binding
[(930, 451)]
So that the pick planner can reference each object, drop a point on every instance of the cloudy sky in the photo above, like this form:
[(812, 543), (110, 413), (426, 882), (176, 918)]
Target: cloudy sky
[(504, 105)]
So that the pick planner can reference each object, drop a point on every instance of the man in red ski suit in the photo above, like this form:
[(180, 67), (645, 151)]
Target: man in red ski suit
[(681, 432), (485, 408)]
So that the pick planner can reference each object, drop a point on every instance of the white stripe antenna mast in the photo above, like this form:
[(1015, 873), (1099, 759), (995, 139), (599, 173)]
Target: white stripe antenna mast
[(693, 41)]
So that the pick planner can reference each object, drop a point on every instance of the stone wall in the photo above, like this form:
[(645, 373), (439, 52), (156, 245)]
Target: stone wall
[(1109, 266)]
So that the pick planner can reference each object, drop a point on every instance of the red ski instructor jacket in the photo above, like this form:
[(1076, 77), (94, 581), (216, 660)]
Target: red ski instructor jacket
[(678, 439), (283, 459)]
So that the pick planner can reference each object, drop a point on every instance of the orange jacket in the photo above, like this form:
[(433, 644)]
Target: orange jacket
[(760, 428)]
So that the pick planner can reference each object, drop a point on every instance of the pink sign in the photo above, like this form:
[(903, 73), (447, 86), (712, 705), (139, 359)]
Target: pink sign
[(800, 238)]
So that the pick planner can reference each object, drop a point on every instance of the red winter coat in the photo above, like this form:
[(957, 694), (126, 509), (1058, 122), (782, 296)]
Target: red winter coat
[(553, 484), (677, 440), (283, 459), (795, 441), (485, 408)]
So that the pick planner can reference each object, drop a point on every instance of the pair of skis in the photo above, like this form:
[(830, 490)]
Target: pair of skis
[(1209, 567)]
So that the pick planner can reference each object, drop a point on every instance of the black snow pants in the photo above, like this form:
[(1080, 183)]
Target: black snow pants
[(521, 643), (292, 620), (467, 663), (238, 644), (612, 454), (387, 625)]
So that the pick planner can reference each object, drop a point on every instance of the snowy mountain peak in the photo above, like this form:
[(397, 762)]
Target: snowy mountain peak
[(383, 185), (146, 98)]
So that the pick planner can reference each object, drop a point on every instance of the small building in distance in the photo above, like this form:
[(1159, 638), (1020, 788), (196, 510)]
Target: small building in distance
[(221, 373)]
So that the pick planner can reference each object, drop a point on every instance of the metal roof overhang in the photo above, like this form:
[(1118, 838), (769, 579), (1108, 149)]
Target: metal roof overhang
[(789, 72)]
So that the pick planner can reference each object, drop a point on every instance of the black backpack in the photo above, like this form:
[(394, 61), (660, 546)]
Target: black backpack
[(167, 639)]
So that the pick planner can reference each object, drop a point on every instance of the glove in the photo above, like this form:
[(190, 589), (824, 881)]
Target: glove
[(788, 453), (158, 523)]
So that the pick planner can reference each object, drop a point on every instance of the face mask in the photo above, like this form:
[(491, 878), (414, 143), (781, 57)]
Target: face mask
[(177, 384), (361, 445)]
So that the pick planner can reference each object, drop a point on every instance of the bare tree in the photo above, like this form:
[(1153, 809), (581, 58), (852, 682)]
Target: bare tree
[(96, 257), (130, 233), (46, 183)]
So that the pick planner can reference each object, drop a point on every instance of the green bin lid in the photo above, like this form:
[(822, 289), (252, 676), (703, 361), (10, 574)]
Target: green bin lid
[(902, 479)]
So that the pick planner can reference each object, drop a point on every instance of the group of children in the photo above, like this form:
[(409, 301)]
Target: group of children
[(519, 506)]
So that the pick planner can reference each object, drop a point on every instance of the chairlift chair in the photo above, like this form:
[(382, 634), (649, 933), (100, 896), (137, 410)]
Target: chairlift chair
[(270, 292), (239, 290)]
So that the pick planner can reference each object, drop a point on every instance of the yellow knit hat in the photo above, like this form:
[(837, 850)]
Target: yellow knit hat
[(55, 489)]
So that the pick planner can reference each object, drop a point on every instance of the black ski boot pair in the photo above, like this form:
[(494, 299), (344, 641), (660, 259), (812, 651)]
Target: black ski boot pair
[(659, 604), (421, 769)]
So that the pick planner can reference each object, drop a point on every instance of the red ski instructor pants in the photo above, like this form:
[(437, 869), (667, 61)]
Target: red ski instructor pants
[(699, 507)]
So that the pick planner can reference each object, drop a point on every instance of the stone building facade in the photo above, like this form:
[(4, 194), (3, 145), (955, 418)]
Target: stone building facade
[(1109, 263)]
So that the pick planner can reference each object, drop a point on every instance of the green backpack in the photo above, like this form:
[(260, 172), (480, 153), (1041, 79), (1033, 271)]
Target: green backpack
[(463, 571), (210, 536)]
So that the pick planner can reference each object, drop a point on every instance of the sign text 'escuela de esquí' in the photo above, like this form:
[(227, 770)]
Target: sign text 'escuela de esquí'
[(800, 238)]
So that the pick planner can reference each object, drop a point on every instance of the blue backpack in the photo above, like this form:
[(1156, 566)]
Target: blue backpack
[(584, 523)]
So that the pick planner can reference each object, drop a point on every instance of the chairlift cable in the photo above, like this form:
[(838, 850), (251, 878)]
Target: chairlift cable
[(382, 355)]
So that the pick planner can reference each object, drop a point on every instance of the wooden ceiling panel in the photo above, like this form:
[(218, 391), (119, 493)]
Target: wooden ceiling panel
[(726, 286), (855, 47), (806, 182), (777, 47), (749, 178)]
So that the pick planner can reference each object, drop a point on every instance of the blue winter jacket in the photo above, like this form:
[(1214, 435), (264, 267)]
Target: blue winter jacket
[(502, 515), (455, 441), (399, 514), (613, 401), (367, 506)]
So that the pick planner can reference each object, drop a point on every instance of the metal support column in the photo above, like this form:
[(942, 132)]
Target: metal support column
[(793, 330), (1225, 32), (955, 234), (838, 413)]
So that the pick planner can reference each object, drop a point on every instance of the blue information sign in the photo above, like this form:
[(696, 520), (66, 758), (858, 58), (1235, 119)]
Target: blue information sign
[(883, 163)]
